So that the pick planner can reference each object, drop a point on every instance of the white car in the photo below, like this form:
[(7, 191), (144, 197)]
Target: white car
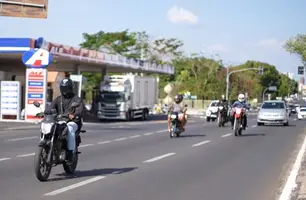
[(301, 113), (212, 111)]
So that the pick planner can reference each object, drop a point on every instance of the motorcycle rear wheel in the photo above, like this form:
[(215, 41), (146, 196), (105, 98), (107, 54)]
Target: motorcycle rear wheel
[(39, 162)]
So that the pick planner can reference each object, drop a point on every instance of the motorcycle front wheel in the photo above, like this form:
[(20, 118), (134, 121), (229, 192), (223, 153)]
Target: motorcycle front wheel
[(41, 167), (70, 168)]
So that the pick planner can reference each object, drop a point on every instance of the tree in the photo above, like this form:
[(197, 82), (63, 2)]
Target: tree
[(297, 46)]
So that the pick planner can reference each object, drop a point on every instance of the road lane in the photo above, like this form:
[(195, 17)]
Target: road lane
[(125, 158), (248, 167)]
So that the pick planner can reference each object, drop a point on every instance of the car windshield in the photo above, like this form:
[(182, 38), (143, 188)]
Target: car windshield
[(303, 110), (273, 105), (214, 104)]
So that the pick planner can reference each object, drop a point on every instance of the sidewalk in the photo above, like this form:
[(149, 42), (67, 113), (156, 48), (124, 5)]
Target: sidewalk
[(299, 192)]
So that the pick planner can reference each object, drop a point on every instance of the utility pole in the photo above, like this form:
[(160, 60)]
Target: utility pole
[(260, 71)]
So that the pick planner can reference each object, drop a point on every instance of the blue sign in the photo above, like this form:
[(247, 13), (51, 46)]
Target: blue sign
[(37, 58), (35, 96), (35, 83)]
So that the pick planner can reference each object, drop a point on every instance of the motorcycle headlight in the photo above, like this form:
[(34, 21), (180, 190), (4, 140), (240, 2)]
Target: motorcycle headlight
[(46, 127), (173, 116)]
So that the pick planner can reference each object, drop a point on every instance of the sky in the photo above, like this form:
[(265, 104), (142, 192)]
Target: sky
[(236, 30)]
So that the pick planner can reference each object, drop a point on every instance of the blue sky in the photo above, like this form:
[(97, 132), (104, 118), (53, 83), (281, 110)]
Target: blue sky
[(237, 30)]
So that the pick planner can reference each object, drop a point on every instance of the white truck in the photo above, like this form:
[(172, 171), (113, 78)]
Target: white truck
[(127, 97)]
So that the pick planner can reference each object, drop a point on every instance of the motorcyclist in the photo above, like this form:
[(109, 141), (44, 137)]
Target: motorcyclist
[(240, 103), (61, 105), (178, 106), (224, 103)]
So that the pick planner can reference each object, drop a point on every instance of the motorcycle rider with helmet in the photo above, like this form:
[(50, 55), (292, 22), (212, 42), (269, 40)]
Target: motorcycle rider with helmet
[(61, 105), (224, 103), (240, 103), (178, 106)]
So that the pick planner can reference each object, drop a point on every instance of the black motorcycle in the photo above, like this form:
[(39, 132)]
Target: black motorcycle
[(222, 116), (52, 149)]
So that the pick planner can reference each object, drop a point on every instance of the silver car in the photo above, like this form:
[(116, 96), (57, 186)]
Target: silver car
[(273, 112)]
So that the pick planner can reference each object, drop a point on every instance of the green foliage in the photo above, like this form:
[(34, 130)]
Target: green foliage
[(297, 46), (203, 77)]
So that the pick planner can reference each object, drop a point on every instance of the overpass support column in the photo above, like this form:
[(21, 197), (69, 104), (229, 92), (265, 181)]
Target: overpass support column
[(103, 73)]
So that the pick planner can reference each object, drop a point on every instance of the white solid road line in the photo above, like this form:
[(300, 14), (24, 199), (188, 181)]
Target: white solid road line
[(70, 187), (24, 138), (291, 181), (135, 136), (254, 126), (161, 131), (201, 143), (226, 135), (104, 142), (25, 155), (86, 145), (148, 134), (120, 139), (159, 157), (3, 159)]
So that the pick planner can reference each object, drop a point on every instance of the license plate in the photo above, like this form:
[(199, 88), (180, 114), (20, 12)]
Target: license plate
[(213, 115)]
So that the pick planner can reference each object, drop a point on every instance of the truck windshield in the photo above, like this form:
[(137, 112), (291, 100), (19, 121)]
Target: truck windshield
[(112, 96)]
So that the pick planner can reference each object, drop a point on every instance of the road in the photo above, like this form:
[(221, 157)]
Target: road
[(138, 161)]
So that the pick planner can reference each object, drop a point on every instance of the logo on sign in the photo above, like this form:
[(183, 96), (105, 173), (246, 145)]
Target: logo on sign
[(37, 58)]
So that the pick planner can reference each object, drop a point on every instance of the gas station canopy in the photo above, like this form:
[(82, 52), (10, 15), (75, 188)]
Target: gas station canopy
[(65, 58)]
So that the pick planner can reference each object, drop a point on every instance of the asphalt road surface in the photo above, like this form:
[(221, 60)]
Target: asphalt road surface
[(139, 161)]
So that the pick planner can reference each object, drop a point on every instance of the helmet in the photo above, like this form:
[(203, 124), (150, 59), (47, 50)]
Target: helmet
[(178, 98), (66, 87), (241, 97)]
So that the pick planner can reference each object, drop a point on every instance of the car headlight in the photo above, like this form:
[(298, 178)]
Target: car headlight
[(46, 127), (208, 112)]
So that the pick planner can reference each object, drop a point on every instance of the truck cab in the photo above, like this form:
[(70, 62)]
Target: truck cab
[(125, 97)]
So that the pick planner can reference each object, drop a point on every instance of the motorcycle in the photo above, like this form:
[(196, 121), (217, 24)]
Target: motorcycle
[(238, 120), (222, 116), (52, 149), (175, 129)]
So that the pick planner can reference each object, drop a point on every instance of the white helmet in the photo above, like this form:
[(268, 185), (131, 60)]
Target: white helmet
[(241, 97)]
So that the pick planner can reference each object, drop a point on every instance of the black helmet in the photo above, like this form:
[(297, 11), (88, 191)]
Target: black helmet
[(66, 87), (178, 98)]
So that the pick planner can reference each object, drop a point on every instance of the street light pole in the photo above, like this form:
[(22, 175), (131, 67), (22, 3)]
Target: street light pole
[(228, 75), (264, 93)]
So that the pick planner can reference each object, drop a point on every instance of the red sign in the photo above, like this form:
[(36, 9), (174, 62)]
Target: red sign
[(72, 51), (35, 90), (31, 101), (36, 76)]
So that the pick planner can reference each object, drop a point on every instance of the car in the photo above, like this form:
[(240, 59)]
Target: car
[(292, 108), (302, 113), (273, 112), (212, 111)]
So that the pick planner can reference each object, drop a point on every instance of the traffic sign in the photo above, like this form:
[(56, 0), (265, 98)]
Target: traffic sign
[(301, 70), (37, 58)]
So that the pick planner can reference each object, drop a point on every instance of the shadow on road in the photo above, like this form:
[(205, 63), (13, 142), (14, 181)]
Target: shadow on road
[(93, 172), (252, 134), (192, 135)]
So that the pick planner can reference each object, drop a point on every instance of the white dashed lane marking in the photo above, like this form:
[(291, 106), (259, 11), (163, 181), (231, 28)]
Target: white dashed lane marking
[(201, 143), (159, 158), (76, 185), (3, 159), (25, 155), (226, 135)]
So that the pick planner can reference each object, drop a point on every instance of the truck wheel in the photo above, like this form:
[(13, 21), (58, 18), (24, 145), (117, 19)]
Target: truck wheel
[(144, 114)]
